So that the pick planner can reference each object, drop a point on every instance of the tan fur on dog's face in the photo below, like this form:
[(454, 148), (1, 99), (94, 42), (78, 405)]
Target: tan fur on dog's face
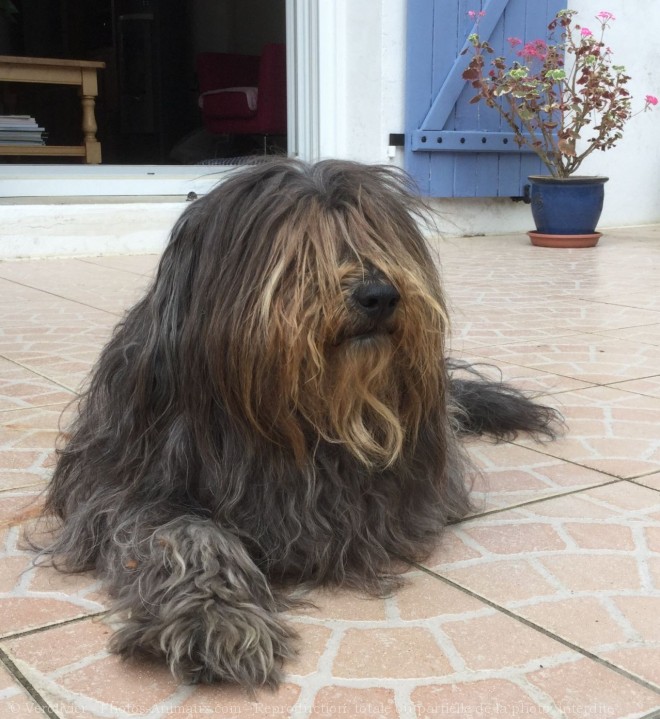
[(301, 359)]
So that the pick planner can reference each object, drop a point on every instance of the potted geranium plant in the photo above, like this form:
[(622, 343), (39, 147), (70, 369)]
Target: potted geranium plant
[(564, 98)]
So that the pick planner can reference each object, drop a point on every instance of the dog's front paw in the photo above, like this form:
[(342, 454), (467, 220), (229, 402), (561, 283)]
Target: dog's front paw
[(245, 646), (248, 648)]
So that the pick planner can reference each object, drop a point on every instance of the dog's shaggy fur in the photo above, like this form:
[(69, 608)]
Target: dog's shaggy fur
[(276, 412)]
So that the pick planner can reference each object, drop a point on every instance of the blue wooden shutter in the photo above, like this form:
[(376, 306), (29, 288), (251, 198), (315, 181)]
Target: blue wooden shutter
[(453, 148)]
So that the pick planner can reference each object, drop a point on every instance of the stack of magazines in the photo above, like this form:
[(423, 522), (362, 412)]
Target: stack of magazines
[(21, 130)]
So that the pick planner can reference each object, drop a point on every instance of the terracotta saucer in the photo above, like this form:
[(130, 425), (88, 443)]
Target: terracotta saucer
[(539, 239)]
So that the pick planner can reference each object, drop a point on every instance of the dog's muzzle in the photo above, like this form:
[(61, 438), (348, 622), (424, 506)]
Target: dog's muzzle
[(374, 303)]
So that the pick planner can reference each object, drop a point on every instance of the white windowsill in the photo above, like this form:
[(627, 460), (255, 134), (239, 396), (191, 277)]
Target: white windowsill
[(78, 210), (47, 184)]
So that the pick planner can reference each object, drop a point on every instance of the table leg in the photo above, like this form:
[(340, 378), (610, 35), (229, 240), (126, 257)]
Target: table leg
[(88, 93)]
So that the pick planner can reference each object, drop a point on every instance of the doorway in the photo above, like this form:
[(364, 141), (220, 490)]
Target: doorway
[(148, 108)]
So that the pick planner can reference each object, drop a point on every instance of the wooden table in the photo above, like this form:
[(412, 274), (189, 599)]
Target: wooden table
[(58, 72)]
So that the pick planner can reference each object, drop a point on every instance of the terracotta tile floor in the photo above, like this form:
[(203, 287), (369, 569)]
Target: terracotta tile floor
[(544, 603)]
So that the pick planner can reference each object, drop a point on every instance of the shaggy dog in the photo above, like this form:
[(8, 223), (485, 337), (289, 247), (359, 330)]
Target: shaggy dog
[(275, 413)]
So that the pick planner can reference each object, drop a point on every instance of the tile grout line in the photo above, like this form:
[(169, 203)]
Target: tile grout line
[(55, 625), (61, 297), (485, 361), (578, 464), (596, 301), (638, 483), (614, 385), (18, 675), (34, 407), (39, 374), (542, 630), (36, 484), (90, 261), (499, 510)]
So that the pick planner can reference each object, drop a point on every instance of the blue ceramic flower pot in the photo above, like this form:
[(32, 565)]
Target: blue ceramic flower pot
[(566, 206)]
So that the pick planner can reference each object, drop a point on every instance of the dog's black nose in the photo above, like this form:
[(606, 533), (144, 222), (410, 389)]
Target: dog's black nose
[(377, 300)]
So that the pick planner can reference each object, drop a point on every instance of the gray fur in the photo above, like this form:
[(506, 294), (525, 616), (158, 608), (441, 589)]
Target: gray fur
[(202, 528)]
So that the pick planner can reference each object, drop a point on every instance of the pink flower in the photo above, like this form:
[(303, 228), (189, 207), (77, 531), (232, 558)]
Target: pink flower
[(473, 14), (585, 32), (536, 48), (651, 100), (514, 41), (603, 15)]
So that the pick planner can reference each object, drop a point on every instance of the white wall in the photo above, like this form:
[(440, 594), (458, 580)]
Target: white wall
[(29, 231), (366, 80)]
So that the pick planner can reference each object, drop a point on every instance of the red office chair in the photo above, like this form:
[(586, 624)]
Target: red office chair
[(243, 94)]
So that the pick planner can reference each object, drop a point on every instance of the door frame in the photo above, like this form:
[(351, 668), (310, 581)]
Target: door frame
[(305, 103)]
